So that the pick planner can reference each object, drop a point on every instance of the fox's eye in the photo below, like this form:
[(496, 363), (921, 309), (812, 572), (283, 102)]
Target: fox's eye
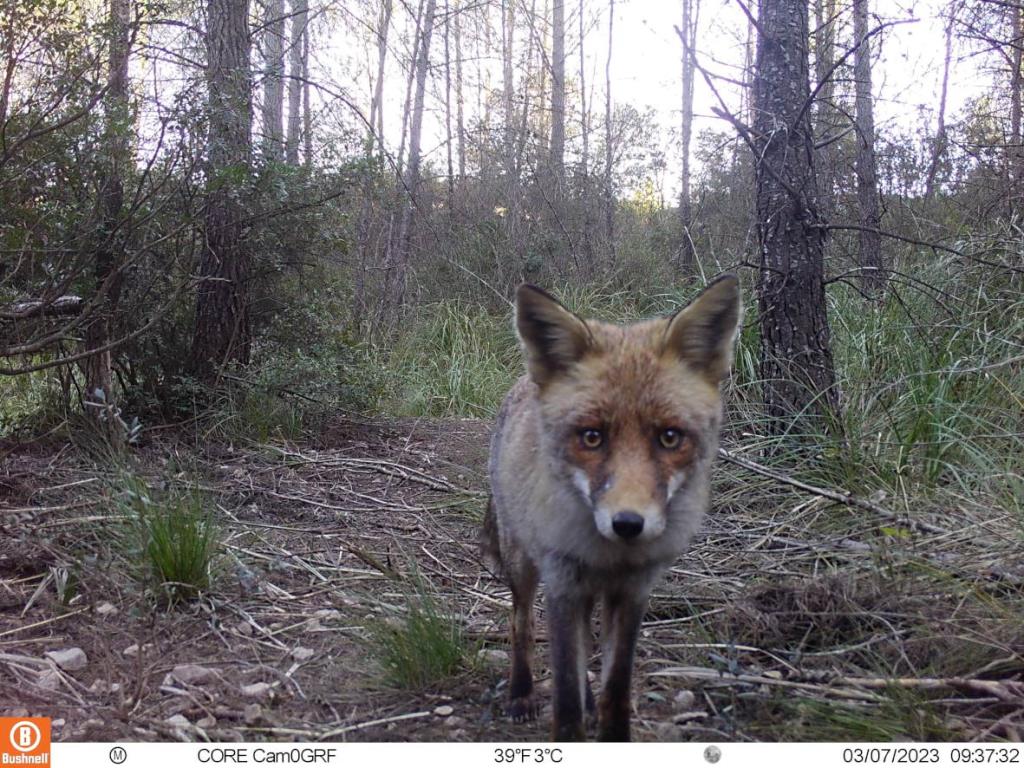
[(670, 439), (592, 439)]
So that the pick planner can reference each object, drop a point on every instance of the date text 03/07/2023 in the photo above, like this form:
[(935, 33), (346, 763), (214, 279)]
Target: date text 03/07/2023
[(923, 755)]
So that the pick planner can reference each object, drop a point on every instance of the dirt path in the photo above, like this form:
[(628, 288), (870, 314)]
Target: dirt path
[(767, 619)]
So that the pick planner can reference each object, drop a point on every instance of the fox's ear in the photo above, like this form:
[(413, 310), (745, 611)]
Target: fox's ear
[(553, 337), (702, 332)]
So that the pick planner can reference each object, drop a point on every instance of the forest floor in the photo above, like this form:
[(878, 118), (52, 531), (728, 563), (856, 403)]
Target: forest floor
[(794, 617)]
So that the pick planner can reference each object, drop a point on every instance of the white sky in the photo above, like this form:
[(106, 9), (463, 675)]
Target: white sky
[(645, 65)]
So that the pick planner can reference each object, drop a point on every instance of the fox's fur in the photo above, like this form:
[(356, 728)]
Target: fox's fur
[(600, 469)]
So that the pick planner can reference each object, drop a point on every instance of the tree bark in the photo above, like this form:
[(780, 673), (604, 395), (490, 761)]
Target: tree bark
[(688, 33), (588, 246), (873, 276), (296, 70), (273, 83), (507, 80), (557, 147), (796, 356), (826, 122), (1015, 155), (460, 119), (377, 103), (941, 140), (609, 192), (397, 268), (448, 106), (100, 400), (222, 325)]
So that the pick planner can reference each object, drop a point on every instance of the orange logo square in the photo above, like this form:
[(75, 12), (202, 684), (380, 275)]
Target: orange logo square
[(24, 741)]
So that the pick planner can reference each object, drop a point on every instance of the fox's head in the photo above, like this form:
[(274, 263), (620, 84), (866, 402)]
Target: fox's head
[(631, 413)]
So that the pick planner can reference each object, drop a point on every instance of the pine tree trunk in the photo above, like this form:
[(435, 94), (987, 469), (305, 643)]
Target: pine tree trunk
[(873, 276), (688, 31), (460, 119), (222, 330), (609, 192), (588, 245), (796, 356), (941, 140), (558, 93), (507, 80), (296, 69), (100, 400), (827, 123), (1015, 155), (273, 83), (397, 269)]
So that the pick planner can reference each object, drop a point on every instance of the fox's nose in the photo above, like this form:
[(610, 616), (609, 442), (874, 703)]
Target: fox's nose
[(628, 525)]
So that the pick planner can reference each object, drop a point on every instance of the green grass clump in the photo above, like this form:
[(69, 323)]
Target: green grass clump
[(420, 647), (172, 541), (453, 360)]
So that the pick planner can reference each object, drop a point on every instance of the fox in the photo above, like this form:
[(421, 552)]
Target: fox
[(600, 466)]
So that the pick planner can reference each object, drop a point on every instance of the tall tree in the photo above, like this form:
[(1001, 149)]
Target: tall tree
[(273, 82), (297, 67), (222, 324), (867, 178), (398, 260), (1015, 145), (826, 122), (100, 401), (609, 191), (460, 118), (688, 35), (508, 26), (941, 139), (558, 92), (588, 246), (377, 103), (796, 356)]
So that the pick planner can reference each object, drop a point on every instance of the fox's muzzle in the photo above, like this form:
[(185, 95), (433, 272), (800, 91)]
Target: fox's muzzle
[(628, 525)]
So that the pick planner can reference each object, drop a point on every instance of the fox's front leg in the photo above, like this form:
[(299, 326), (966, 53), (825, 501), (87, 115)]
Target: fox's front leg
[(522, 704), (565, 613), (623, 613)]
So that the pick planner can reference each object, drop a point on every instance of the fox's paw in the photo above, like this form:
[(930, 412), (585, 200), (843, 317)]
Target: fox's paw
[(523, 708)]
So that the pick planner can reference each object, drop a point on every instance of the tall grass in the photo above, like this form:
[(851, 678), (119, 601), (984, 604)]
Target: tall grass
[(420, 646), (170, 540)]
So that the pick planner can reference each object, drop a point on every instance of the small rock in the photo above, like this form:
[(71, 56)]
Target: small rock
[(313, 625), (19, 712), (207, 722), (48, 680), (492, 657), (685, 717), (133, 649), (458, 734), (328, 613), (106, 609), (303, 654), (99, 685), (774, 674), (252, 713), (58, 723), (69, 659), (191, 674), (684, 700), (244, 628), (257, 691), (667, 732), (455, 722), (444, 710), (178, 721)]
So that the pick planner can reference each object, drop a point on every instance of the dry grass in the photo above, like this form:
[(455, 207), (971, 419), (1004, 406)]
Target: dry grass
[(794, 617)]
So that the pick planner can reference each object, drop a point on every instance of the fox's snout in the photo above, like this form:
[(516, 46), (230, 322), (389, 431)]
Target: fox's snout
[(628, 524)]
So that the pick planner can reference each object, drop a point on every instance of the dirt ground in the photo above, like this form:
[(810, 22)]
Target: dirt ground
[(777, 625)]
